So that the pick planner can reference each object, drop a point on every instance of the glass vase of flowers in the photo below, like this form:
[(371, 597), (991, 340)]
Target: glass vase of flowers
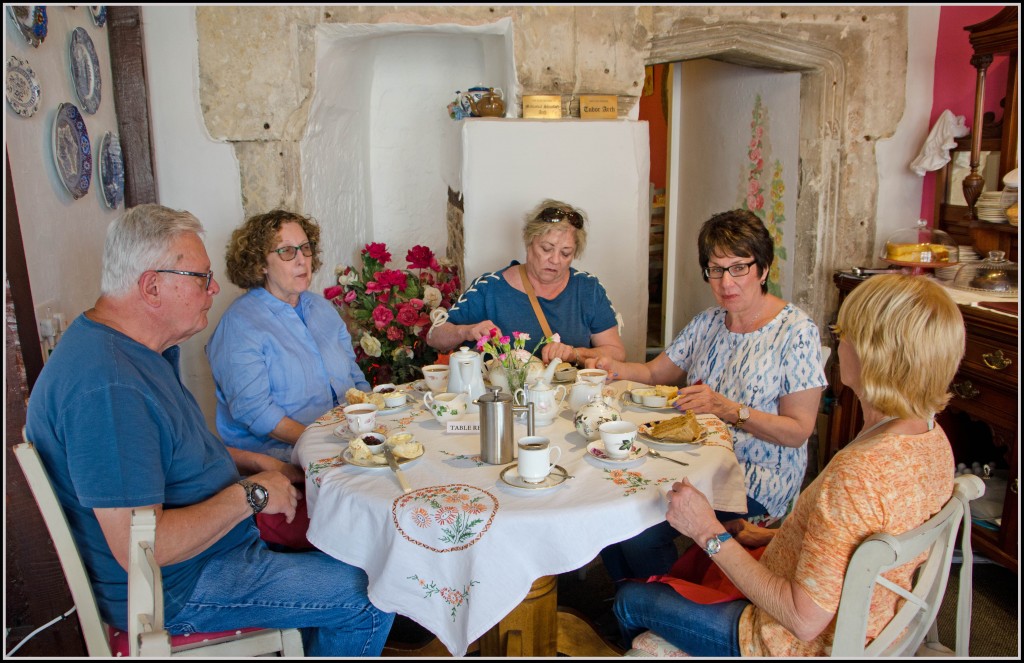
[(511, 353), (388, 310)]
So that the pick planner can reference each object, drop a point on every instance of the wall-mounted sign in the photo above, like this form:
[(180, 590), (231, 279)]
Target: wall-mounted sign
[(548, 106), (599, 106)]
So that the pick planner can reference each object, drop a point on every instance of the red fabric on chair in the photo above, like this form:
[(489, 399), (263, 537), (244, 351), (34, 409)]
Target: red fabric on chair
[(275, 529), (118, 639), (697, 578)]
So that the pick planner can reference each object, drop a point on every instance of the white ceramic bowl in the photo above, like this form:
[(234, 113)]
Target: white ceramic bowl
[(654, 400), (374, 442)]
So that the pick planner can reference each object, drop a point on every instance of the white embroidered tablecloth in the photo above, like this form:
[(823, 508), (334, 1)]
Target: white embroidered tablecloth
[(462, 549)]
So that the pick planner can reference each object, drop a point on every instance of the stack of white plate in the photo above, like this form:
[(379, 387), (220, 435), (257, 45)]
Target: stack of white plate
[(967, 253), (991, 207), (946, 273)]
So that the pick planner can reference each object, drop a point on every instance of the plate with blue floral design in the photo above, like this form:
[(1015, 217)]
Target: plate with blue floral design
[(72, 151), (21, 87), (99, 15), (85, 70), (111, 170), (31, 22)]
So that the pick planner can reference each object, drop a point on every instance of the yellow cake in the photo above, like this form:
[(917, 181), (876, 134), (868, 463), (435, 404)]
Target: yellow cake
[(923, 252), (684, 428)]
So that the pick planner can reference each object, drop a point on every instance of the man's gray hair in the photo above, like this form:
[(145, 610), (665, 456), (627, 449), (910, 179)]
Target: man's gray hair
[(141, 240)]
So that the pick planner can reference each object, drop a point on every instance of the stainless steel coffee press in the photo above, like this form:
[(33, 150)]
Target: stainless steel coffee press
[(497, 408)]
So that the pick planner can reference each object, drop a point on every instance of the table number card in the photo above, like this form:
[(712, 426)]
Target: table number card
[(463, 427)]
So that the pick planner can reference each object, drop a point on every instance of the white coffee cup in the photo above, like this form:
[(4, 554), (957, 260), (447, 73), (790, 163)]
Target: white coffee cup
[(361, 417), (618, 438), (436, 377), (535, 458), (592, 375)]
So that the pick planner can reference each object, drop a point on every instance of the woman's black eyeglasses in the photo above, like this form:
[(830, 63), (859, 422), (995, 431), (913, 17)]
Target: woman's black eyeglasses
[(289, 252), (554, 215), (837, 333), (203, 275), (739, 269)]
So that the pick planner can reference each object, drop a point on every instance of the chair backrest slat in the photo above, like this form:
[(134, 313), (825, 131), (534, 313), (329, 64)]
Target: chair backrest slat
[(93, 629)]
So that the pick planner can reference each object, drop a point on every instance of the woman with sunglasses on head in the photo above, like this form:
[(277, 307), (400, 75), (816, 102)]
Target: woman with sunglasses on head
[(754, 361), (573, 303), (281, 355)]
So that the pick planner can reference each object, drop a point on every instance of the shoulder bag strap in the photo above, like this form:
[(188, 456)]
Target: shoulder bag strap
[(528, 287)]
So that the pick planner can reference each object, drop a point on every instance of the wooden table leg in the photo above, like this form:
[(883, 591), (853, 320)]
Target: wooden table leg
[(538, 627)]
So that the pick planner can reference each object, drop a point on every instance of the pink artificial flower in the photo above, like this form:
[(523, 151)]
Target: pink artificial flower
[(480, 342), (419, 257), (504, 340), (374, 286), (378, 251), (395, 334), (350, 296), (382, 317), (416, 303)]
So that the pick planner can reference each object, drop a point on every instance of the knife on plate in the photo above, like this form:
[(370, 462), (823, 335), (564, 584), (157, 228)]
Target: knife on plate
[(393, 464)]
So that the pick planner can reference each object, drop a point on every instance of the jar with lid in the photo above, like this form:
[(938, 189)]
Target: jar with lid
[(995, 276), (920, 247)]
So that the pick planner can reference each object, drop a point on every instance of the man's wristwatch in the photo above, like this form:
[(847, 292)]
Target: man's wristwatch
[(714, 544), (256, 494), (742, 415)]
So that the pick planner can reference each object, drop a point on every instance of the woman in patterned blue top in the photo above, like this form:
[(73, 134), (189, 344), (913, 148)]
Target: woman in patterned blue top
[(754, 361), (574, 303)]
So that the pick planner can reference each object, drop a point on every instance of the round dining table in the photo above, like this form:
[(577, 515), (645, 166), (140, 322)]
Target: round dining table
[(471, 552)]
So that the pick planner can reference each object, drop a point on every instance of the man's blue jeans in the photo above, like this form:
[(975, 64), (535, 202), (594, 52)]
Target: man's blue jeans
[(695, 628), (312, 591)]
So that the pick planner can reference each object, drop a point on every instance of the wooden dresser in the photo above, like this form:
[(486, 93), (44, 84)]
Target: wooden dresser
[(981, 420)]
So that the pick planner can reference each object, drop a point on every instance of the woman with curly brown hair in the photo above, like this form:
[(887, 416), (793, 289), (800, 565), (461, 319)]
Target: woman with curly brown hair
[(281, 355)]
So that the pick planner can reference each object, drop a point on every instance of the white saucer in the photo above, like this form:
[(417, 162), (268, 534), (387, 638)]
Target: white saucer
[(596, 450), (400, 408), (510, 476), (402, 462)]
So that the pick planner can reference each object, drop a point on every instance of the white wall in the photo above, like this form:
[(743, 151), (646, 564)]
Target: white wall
[(193, 172), (899, 188), (63, 237)]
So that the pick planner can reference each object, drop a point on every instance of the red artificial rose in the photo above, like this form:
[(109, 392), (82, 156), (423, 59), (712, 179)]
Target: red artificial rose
[(407, 315), (382, 317), (420, 257), (374, 286), (332, 292), (416, 303), (392, 277), (378, 251), (395, 334)]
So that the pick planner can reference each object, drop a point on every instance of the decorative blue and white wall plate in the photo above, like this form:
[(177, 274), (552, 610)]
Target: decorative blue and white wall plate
[(111, 170), (99, 15), (72, 152), (21, 87), (31, 22), (85, 70)]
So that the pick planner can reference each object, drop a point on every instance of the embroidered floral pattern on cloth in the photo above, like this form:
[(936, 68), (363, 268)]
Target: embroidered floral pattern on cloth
[(454, 597), (444, 518)]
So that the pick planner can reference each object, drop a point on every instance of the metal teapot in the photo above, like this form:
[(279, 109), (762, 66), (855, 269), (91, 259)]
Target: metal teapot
[(497, 433), (490, 104)]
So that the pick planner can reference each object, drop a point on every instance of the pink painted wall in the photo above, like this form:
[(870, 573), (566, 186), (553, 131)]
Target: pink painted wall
[(955, 78)]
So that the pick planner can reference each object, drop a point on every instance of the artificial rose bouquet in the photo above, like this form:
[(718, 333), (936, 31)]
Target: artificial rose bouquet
[(388, 310)]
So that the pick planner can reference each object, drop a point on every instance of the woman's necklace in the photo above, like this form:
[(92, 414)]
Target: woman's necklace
[(878, 425), (752, 325)]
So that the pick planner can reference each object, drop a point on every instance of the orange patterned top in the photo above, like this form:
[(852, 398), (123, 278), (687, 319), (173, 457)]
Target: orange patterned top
[(886, 483)]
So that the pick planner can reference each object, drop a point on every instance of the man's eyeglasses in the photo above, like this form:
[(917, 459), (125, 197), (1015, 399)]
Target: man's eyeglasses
[(837, 333), (739, 269), (554, 215), (287, 253), (203, 275)]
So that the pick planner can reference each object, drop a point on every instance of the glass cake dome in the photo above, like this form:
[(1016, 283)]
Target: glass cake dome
[(994, 276), (920, 247)]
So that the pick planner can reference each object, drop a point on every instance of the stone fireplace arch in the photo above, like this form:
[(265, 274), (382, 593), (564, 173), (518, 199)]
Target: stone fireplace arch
[(822, 127)]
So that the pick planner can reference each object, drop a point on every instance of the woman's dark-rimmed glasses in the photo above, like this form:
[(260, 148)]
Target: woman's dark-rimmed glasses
[(288, 253), (739, 269), (554, 215), (837, 333), (203, 275)]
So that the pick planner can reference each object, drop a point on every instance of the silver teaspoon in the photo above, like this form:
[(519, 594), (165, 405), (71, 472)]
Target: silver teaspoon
[(658, 455)]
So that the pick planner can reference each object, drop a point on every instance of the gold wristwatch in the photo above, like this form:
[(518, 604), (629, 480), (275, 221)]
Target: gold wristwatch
[(742, 415)]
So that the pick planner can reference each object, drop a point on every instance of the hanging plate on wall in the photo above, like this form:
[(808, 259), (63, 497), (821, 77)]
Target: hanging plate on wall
[(99, 15), (85, 70), (21, 87), (31, 22), (111, 170), (72, 152)]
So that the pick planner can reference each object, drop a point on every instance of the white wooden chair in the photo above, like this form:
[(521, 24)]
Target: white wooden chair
[(147, 636), (912, 629)]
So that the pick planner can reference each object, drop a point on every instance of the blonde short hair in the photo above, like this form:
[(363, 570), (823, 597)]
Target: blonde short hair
[(909, 336), (552, 214)]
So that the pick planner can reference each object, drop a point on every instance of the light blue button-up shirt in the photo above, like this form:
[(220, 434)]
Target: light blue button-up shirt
[(269, 365)]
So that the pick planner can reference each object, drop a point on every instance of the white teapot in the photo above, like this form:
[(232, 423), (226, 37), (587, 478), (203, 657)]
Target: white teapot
[(590, 417), (546, 401)]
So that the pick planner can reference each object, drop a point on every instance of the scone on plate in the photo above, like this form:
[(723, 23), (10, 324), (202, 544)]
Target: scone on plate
[(354, 396)]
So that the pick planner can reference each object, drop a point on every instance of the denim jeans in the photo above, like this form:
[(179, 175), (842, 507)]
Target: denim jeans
[(323, 597), (695, 628), (653, 551)]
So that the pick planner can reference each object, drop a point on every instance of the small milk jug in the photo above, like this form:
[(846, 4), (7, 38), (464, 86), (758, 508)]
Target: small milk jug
[(497, 438)]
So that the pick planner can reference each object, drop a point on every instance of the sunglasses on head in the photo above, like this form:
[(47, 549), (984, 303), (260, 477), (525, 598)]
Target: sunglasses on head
[(554, 215)]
